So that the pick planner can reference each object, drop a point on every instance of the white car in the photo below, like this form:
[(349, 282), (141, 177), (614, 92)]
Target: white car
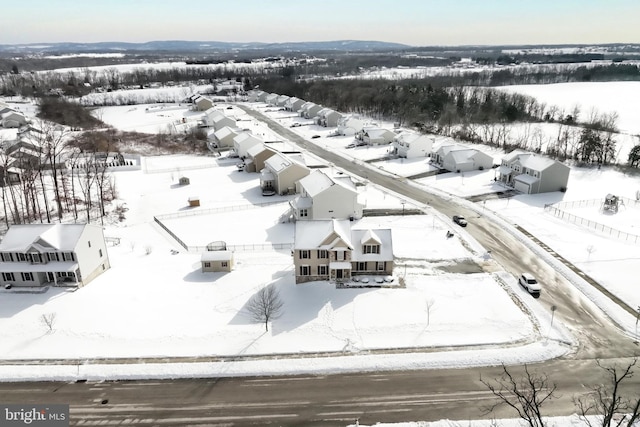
[(530, 283)]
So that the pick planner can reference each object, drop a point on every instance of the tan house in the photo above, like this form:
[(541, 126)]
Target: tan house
[(324, 197), (216, 261), (327, 118), (223, 138), (281, 172), (202, 103), (256, 157), (293, 104), (52, 254), (332, 250)]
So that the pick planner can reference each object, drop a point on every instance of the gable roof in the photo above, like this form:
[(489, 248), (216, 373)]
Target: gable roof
[(315, 183), (62, 237), (322, 234)]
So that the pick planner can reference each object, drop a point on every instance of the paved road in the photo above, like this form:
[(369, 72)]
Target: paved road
[(371, 397), (333, 400)]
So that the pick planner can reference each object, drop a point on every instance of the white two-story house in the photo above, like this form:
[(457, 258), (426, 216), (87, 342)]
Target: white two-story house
[(412, 145), (52, 254), (324, 197)]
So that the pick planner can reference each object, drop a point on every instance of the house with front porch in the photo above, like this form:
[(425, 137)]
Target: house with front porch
[(460, 158), (531, 173), (52, 254), (336, 250), (412, 145), (324, 197), (281, 172)]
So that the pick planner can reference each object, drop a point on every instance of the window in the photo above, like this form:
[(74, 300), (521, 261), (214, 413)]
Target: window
[(371, 249), (323, 270), (207, 264), (68, 256), (7, 257), (340, 255), (303, 213), (362, 266), (8, 277), (323, 254), (224, 263), (305, 254), (100, 253), (380, 266), (53, 256), (305, 270), (22, 257), (27, 277), (36, 257)]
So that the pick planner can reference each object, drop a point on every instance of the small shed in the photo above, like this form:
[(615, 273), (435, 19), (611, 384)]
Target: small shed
[(215, 261), (184, 180), (194, 201)]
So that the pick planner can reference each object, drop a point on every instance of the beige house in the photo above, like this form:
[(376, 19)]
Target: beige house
[(52, 254), (220, 121), (324, 197), (12, 119), (255, 94), (202, 103), (282, 100), (256, 157), (333, 250), (271, 99), (281, 172), (531, 173), (216, 261)]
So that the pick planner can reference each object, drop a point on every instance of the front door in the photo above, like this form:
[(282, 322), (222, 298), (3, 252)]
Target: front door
[(338, 274)]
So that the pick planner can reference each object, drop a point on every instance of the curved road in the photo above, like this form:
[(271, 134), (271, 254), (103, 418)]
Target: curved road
[(370, 397)]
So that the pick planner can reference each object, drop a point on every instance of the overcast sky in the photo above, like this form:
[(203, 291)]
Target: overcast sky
[(412, 22)]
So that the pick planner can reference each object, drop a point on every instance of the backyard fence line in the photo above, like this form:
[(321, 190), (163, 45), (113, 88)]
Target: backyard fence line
[(221, 209), (593, 202), (621, 235), (256, 247), (178, 169)]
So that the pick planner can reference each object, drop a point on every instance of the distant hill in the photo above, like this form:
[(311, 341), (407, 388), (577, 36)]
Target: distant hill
[(202, 46)]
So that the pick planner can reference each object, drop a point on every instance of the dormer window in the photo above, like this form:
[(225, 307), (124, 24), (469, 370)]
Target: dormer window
[(371, 249)]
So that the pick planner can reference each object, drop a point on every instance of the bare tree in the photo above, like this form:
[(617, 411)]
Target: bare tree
[(605, 401), (525, 395), (265, 305), (49, 321)]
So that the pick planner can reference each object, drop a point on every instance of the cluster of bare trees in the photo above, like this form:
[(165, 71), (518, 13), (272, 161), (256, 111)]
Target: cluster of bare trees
[(604, 405), (56, 181)]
